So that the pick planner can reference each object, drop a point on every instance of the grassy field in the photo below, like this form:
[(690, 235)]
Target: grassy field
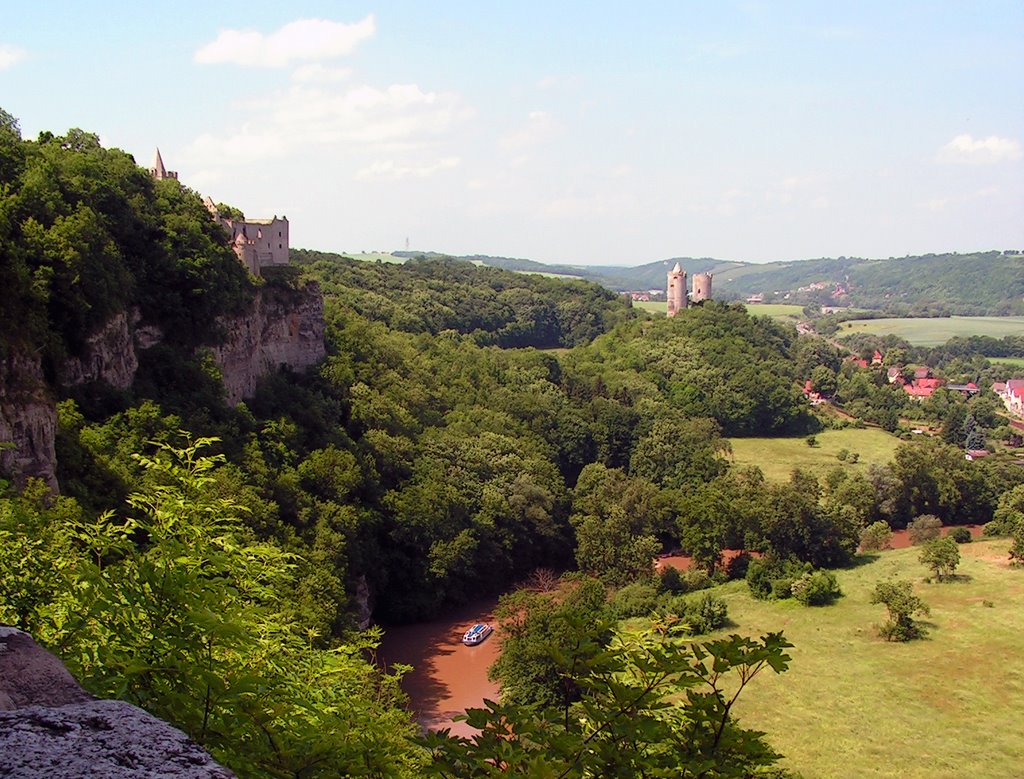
[(852, 705), (374, 256), (777, 457), (1013, 362), (782, 311), (653, 306), (932, 332)]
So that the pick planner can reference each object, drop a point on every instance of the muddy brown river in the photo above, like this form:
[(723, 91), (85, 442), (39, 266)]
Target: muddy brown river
[(448, 677)]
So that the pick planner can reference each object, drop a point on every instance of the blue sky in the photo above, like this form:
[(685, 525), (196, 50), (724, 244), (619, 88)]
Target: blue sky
[(590, 133)]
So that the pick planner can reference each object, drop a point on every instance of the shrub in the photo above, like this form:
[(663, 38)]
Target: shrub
[(1017, 547), (854, 457), (816, 589), (961, 535), (705, 613), (924, 528), (695, 579), (634, 600), (842, 454), (669, 580), (902, 604), (782, 588), (812, 440), (737, 567), (876, 537), (770, 577), (1004, 524)]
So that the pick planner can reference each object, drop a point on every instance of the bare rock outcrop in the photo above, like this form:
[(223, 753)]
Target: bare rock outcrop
[(28, 420), (285, 327), (109, 356), (50, 727)]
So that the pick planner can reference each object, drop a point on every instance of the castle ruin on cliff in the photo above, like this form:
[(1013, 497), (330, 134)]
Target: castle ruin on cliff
[(258, 243)]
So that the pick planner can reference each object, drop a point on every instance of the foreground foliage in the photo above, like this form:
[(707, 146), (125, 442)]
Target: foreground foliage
[(176, 609), (649, 706)]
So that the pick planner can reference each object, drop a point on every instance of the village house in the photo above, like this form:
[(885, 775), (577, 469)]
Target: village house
[(1012, 395)]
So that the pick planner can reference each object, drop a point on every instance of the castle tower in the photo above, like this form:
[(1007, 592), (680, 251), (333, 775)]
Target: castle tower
[(701, 287), (158, 171), (676, 290)]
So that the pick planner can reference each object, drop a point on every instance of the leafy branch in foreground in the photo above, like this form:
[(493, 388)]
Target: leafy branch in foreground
[(651, 707)]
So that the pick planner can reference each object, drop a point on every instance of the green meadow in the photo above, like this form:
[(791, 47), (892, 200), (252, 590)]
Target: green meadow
[(783, 311), (375, 257), (1012, 362), (777, 457), (853, 705), (923, 331)]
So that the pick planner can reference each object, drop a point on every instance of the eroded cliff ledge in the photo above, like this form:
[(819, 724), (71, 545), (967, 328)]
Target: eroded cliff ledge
[(284, 327)]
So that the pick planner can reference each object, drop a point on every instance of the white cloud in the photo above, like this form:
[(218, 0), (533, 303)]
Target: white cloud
[(318, 74), (11, 55), (326, 120), (965, 148), (389, 170), (539, 128), (301, 40)]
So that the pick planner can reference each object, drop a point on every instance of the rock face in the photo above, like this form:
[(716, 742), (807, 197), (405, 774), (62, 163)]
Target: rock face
[(50, 727), (28, 421), (109, 356), (285, 327)]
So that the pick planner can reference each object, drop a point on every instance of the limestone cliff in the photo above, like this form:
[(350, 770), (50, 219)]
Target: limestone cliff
[(109, 356), (28, 420), (51, 727), (285, 327)]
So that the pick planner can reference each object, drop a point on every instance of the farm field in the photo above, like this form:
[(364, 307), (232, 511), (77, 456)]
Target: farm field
[(1013, 362), (852, 705), (933, 332), (782, 311), (777, 457), (653, 306), (374, 256)]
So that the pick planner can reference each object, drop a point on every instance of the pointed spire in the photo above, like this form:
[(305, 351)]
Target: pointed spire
[(159, 171), (676, 269)]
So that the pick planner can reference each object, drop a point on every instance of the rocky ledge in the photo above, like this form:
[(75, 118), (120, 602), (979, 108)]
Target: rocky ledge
[(50, 727)]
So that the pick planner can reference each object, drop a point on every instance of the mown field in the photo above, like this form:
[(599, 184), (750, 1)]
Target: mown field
[(777, 457), (933, 332), (782, 311), (374, 257), (1013, 362), (852, 705)]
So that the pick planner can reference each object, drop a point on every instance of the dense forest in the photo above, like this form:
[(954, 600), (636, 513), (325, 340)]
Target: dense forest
[(468, 427)]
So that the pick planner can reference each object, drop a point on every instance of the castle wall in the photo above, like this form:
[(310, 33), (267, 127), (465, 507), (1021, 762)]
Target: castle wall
[(676, 291), (701, 287), (259, 243)]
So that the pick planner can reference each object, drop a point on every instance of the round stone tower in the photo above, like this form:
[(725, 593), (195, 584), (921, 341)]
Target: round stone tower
[(676, 290), (701, 287)]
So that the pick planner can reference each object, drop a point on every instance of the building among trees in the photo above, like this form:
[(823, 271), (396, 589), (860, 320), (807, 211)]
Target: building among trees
[(258, 243)]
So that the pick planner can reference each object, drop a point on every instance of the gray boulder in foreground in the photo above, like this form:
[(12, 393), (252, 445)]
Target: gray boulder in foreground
[(50, 727)]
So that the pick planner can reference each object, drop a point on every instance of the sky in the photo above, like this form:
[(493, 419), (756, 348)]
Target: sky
[(591, 133)]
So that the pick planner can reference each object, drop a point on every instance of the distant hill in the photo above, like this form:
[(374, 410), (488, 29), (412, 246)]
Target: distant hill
[(982, 283)]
